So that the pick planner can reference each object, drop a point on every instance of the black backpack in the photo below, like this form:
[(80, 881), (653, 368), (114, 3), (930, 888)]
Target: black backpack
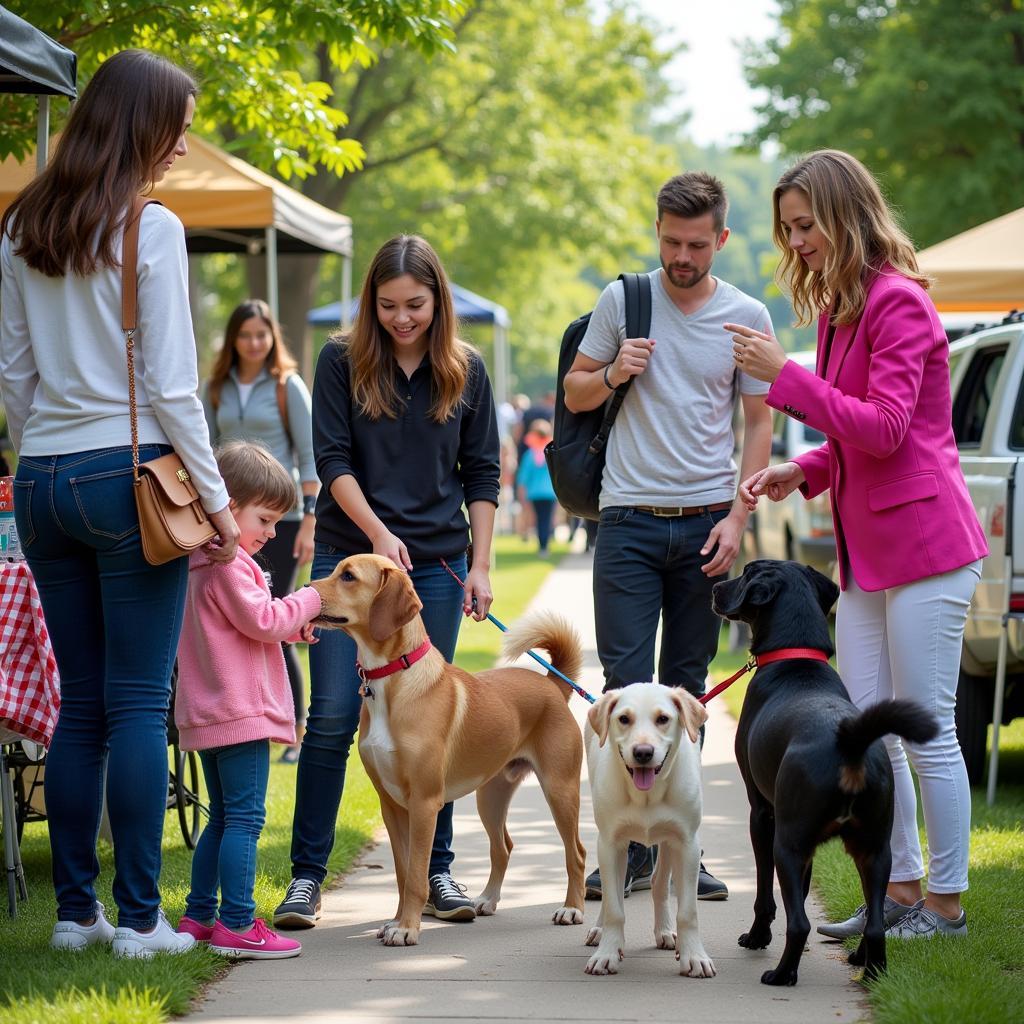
[(576, 455)]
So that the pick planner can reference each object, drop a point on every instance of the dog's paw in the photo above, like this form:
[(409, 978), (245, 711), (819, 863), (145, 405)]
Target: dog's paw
[(485, 905), (695, 963), (778, 977), (385, 927), (858, 957), (567, 915), (756, 938), (664, 938), (604, 962), (593, 937), (393, 935)]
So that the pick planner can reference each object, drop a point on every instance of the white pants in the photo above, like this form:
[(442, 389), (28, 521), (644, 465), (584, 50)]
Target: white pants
[(905, 643)]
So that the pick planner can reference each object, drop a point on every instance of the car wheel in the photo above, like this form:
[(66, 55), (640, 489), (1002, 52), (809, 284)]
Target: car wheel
[(973, 717)]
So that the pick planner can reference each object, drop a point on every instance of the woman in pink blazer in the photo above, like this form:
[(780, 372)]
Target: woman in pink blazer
[(908, 539)]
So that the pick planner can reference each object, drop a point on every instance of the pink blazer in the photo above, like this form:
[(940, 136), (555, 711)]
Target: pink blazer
[(900, 505)]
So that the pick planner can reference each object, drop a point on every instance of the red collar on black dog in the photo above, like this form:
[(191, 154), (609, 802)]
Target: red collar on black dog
[(757, 660)]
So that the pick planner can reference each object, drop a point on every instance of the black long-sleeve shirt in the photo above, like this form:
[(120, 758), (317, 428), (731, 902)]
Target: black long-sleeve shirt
[(415, 473)]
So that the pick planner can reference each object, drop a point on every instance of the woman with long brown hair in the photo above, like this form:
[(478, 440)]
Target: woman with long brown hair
[(405, 435), (113, 619), (254, 393), (908, 539)]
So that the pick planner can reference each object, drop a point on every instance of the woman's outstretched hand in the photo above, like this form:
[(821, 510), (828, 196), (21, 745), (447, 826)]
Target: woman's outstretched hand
[(388, 545), (773, 482)]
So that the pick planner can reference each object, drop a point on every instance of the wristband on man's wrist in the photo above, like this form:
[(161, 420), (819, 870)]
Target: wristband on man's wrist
[(308, 504), (607, 383)]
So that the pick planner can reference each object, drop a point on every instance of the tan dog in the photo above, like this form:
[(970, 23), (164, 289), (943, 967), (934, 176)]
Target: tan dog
[(430, 733), (644, 766)]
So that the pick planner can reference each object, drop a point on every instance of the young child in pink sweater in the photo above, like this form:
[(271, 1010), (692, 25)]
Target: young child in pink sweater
[(233, 698)]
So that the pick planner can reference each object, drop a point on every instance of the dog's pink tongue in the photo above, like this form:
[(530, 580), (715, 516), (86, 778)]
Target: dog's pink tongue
[(643, 778)]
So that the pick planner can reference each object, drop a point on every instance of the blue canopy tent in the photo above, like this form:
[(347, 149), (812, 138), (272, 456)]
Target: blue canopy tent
[(469, 307)]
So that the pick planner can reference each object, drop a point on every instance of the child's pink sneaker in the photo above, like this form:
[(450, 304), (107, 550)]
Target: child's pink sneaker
[(199, 931), (258, 943)]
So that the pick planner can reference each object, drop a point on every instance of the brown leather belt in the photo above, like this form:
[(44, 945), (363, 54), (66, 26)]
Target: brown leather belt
[(683, 510)]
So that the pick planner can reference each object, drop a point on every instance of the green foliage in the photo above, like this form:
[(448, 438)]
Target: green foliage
[(525, 157), (926, 92), (252, 62)]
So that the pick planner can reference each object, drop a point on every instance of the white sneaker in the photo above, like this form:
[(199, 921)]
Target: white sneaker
[(162, 939), (72, 935)]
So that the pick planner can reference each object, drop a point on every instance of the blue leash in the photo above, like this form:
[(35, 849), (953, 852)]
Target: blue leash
[(533, 654)]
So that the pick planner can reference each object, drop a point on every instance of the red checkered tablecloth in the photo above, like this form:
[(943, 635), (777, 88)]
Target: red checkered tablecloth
[(29, 685)]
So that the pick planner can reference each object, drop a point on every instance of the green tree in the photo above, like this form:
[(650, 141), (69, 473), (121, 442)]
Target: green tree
[(251, 59), (928, 93), (524, 157)]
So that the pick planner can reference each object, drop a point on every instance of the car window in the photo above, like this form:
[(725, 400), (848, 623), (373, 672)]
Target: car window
[(955, 359), (1016, 439), (974, 397)]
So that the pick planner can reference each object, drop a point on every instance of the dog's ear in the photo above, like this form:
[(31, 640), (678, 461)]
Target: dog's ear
[(692, 714), (395, 604), (825, 590), (600, 715), (757, 586)]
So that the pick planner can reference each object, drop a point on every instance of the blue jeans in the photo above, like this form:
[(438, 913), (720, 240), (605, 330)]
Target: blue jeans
[(236, 779), (334, 705), (646, 566), (114, 622)]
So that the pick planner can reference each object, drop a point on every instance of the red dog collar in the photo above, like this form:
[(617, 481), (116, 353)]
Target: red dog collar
[(405, 661), (757, 660)]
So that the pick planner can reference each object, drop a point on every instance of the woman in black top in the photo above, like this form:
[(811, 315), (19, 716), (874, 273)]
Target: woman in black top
[(404, 435)]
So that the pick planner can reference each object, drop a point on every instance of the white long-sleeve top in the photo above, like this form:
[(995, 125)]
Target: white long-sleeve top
[(63, 370)]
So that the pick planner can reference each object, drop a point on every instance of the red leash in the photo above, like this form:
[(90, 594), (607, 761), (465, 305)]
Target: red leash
[(757, 660)]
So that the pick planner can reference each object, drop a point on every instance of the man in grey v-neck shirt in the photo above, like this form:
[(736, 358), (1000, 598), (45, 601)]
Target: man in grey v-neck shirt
[(671, 522)]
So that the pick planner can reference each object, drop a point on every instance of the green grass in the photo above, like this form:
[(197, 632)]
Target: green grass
[(945, 981), (40, 985)]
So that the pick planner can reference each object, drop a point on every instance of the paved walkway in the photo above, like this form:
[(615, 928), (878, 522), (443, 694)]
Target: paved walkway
[(516, 966)]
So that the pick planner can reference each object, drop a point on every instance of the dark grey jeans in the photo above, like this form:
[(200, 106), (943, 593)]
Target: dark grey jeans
[(646, 567)]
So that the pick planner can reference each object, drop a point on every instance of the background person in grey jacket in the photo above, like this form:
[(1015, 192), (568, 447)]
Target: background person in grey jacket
[(255, 394)]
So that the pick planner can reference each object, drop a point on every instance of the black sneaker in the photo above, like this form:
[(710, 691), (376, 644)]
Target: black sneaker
[(301, 905), (448, 900), (640, 863), (709, 887)]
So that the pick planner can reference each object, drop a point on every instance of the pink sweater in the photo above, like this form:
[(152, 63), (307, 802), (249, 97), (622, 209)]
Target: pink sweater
[(232, 683)]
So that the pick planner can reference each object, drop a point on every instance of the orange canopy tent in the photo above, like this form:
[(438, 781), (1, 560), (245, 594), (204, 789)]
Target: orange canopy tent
[(981, 269), (228, 206)]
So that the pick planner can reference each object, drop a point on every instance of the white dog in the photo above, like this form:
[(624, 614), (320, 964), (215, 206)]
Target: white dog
[(644, 767)]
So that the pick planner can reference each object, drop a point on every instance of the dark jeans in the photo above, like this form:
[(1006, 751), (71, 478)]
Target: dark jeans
[(334, 705), (646, 567), (114, 622), (276, 556), (225, 857), (543, 510)]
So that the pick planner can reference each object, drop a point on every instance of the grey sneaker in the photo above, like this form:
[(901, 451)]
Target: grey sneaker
[(448, 900), (891, 912), (922, 923)]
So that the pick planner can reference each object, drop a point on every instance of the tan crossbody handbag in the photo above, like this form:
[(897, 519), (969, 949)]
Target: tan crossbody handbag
[(172, 520)]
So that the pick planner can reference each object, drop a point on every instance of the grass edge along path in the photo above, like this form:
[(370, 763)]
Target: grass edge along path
[(39, 986), (948, 980)]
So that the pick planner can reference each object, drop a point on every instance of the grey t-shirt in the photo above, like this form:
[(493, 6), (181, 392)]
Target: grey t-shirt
[(672, 442)]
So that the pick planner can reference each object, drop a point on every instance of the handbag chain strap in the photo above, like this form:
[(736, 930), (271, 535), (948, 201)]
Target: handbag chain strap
[(129, 312)]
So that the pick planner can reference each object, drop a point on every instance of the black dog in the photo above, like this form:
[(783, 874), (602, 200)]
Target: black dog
[(814, 766)]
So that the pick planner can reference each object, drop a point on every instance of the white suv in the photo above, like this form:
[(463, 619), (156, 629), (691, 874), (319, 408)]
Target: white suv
[(986, 373)]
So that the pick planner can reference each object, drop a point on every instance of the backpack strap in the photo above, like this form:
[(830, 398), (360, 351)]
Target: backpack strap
[(637, 290)]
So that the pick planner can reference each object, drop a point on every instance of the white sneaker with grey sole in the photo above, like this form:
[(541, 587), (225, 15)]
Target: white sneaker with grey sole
[(162, 939), (75, 936), (891, 911)]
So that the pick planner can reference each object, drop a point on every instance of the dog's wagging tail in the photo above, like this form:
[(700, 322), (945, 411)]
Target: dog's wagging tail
[(551, 633), (855, 734)]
